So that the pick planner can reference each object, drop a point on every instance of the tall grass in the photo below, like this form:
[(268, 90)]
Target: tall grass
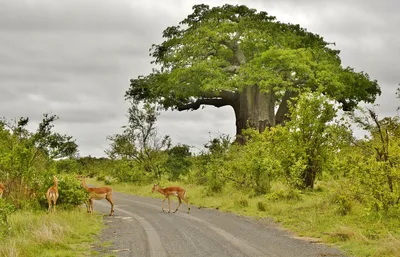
[(65, 233)]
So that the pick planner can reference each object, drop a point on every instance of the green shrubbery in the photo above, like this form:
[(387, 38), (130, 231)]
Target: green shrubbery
[(71, 192), (28, 160)]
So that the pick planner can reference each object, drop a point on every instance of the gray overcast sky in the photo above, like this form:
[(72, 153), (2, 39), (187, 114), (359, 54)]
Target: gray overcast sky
[(74, 58)]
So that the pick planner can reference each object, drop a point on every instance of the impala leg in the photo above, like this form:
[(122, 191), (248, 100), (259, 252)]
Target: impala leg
[(87, 205), (169, 205), (187, 203), (179, 204), (90, 205), (110, 200), (162, 205), (49, 203)]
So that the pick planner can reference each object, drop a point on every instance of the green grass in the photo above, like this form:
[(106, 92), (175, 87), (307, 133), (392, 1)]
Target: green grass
[(65, 233), (348, 226)]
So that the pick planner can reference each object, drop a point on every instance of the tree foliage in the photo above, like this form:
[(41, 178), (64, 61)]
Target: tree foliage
[(24, 153), (310, 138), (378, 169), (27, 158), (178, 161), (140, 135), (140, 143), (236, 56)]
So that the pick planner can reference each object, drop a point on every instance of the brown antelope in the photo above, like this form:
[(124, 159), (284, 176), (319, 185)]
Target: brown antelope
[(175, 191), (52, 195), (2, 189), (98, 193)]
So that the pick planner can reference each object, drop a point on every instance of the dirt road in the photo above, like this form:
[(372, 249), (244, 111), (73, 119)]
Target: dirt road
[(139, 228)]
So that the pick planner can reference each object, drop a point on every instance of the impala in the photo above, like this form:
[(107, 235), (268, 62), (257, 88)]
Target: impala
[(98, 193), (2, 189), (174, 191), (52, 195)]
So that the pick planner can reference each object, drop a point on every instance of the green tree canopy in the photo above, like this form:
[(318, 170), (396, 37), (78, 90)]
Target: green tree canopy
[(236, 56)]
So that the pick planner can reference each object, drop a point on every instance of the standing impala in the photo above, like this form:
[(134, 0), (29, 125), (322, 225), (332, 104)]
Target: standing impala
[(175, 191), (52, 195), (98, 193)]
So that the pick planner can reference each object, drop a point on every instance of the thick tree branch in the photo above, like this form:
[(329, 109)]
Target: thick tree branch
[(229, 95), (217, 102), (232, 69)]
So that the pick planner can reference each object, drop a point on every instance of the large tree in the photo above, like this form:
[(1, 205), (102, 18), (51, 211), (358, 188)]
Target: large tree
[(236, 56)]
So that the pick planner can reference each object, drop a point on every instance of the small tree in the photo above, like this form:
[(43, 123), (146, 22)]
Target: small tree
[(178, 162), (140, 141), (308, 139), (379, 170)]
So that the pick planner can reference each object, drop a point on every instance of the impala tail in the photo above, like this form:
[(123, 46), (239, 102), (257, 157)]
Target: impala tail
[(52, 196)]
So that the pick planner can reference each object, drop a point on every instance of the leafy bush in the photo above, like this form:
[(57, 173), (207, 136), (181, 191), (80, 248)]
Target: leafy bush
[(178, 162), (108, 180), (261, 206), (71, 192), (242, 202), (213, 187), (286, 195), (344, 205), (128, 171)]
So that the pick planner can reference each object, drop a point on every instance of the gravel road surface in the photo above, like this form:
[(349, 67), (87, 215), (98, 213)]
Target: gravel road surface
[(139, 228)]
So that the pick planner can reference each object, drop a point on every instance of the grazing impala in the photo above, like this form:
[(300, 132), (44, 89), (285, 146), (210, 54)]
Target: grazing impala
[(175, 191), (52, 195), (2, 189), (98, 193)]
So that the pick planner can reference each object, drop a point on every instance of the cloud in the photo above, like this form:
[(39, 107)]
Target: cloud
[(75, 59)]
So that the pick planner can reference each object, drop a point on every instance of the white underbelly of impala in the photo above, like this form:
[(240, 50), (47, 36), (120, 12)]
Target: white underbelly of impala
[(98, 196)]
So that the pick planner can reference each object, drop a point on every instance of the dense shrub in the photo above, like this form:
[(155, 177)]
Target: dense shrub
[(71, 192)]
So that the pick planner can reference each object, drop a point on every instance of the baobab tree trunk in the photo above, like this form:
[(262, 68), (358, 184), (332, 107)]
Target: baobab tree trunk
[(254, 109)]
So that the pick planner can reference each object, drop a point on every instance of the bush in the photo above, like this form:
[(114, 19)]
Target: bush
[(242, 202), (213, 187), (108, 180), (101, 177), (261, 206), (286, 195), (343, 203), (71, 192)]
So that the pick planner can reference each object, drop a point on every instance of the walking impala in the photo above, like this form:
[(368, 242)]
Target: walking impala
[(98, 193), (52, 195), (175, 191)]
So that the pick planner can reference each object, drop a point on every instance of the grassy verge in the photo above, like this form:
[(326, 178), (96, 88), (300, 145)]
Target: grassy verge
[(66, 233), (314, 214)]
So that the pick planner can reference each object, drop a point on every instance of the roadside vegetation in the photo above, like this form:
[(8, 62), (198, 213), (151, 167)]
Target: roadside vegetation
[(66, 233), (28, 161), (295, 157)]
